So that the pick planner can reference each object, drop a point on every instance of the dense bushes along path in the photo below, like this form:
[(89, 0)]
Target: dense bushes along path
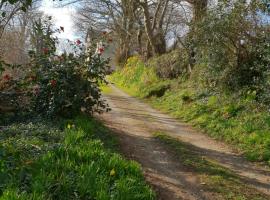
[(199, 168)]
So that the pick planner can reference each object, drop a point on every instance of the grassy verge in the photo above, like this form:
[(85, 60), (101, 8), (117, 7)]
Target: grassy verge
[(72, 159), (234, 118), (217, 180), (105, 89)]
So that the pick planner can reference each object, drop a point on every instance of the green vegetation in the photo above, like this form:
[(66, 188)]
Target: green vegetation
[(221, 183), (54, 85), (42, 154), (105, 89), (216, 76), (235, 117), (137, 79), (68, 159)]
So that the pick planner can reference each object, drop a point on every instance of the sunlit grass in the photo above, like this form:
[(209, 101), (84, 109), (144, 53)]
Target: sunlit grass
[(105, 89), (69, 159)]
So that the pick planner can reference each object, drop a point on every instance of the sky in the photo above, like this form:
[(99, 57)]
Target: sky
[(62, 16)]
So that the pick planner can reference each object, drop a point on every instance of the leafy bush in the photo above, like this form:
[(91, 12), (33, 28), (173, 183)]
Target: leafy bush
[(157, 90), (235, 52), (141, 78), (170, 65), (14, 100), (68, 83), (56, 84)]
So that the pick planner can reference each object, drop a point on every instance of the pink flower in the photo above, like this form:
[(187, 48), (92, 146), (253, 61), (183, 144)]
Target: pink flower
[(101, 50), (78, 42), (53, 83), (45, 50), (7, 77)]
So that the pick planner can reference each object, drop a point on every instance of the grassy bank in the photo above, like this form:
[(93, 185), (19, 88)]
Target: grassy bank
[(72, 159), (231, 117)]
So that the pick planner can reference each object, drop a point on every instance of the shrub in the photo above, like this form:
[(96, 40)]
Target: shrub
[(14, 101), (141, 78), (68, 83), (236, 50), (56, 84), (157, 90), (170, 65)]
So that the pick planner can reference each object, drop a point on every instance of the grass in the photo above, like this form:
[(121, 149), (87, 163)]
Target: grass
[(70, 159), (217, 180), (231, 117), (105, 89)]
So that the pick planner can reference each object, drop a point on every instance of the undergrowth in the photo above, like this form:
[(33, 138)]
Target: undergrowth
[(71, 159), (232, 117)]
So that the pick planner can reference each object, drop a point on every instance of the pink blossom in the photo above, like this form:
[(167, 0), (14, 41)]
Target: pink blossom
[(7, 77), (78, 42)]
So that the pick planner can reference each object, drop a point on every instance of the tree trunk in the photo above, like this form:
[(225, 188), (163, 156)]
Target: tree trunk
[(153, 29), (149, 50), (199, 12), (199, 9), (139, 41), (160, 43)]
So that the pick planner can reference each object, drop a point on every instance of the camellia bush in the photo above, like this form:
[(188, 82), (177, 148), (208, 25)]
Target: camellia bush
[(68, 83)]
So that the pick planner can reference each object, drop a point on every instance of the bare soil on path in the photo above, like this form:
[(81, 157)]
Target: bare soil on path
[(135, 122)]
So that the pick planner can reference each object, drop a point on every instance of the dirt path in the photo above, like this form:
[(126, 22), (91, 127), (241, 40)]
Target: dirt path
[(136, 121)]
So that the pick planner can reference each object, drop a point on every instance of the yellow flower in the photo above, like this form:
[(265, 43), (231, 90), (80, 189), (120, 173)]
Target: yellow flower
[(112, 173), (69, 126)]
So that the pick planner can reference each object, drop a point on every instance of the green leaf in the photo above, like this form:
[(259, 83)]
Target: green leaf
[(23, 9), (3, 14)]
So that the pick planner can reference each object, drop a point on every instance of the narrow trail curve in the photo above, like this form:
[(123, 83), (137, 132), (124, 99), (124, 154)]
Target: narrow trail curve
[(136, 121)]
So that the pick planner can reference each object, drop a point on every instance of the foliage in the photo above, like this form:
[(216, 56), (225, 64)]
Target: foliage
[(140, 77), (170, 65), (14, 102), (66, 83), (235, 52), (66, 160), (55, 84), (24, 5)]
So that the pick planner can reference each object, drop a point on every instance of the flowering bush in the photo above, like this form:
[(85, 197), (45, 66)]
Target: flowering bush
[(68, 83), (13, 100)]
